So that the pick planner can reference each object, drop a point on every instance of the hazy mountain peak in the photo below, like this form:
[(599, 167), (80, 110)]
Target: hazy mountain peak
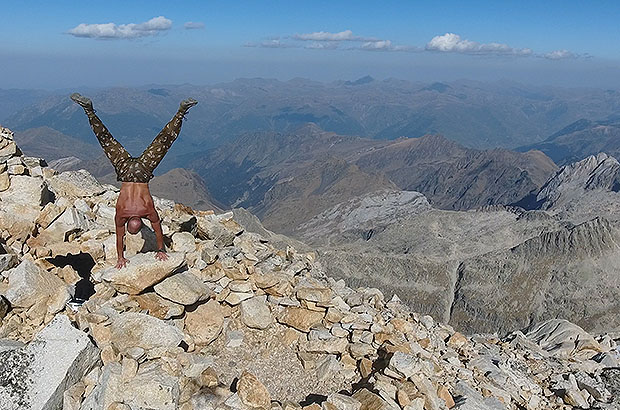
[(360, 81)]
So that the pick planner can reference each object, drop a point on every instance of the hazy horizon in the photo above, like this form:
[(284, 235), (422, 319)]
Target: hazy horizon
[(66, 45)]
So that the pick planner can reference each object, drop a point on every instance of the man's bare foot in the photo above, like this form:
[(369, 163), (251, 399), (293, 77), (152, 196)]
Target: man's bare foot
[(84, 102), (187, 104)]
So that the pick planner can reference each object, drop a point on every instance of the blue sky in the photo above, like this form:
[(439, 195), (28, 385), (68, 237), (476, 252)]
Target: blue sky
[(59, 44)]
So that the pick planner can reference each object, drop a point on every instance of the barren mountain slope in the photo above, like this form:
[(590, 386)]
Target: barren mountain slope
[(493, 269), (454, 177), (581, 139), (259, 170)]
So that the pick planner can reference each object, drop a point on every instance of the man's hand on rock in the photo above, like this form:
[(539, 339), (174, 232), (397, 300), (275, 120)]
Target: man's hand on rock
[(161, 255), (121, 263)]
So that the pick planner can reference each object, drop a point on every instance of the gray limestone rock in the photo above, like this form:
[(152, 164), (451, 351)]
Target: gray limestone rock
[(130, 330), (35, 376), (142, 271), (75, 184), (255, 313), (183, 288)]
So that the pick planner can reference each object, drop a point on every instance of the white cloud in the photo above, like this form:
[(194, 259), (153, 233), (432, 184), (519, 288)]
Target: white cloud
[(560, 55), (346, 35), (381, 45), (323, 45), (452, 43), (152, 27), (194, 25), (276, 43)]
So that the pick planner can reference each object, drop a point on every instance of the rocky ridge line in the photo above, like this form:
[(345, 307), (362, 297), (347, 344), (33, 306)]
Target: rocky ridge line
[(230, 322)]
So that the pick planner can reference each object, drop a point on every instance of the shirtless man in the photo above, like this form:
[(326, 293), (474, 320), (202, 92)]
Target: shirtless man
[(135, 201)]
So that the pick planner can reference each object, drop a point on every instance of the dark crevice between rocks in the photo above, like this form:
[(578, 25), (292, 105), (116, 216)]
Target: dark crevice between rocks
[(378, 366), (83, 264), (313, 399)]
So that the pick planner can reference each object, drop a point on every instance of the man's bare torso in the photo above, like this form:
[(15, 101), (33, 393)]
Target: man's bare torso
[(135, 200)]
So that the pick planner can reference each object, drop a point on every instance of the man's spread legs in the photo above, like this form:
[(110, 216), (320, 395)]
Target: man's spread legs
[(152, 156), (116, 153)]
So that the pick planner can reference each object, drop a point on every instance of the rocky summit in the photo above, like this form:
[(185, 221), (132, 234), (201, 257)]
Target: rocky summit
[(231, 321)]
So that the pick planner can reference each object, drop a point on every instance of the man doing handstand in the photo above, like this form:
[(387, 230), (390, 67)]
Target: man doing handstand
[(135, 201)]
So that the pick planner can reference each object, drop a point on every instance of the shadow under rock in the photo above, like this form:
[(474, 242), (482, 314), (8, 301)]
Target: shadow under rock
[(83, 264)]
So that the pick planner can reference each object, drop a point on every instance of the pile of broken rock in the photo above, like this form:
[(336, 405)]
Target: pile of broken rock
[(230, 322)]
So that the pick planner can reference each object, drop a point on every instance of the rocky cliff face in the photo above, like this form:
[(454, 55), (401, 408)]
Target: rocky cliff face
[(231, 322), (475, 269)]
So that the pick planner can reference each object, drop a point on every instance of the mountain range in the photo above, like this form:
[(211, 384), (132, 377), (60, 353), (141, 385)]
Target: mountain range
[(474, 114), (492, 269), (579, 140), (286, 179)]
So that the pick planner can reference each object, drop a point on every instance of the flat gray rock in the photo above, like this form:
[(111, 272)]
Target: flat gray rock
[(130, 330), (183, 288), (142, 271)]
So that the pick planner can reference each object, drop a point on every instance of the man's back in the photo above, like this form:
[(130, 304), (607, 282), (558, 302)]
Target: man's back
[(134, 200)]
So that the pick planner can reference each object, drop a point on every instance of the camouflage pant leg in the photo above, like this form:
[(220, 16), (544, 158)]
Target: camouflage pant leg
[(116, 153), (154, 153)]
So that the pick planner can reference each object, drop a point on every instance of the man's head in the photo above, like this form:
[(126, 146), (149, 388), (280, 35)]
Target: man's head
[(134, 224)]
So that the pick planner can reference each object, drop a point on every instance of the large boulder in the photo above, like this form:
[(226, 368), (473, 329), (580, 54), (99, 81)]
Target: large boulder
[(151, 388), (35, 376), (184, 288), (563, 339), (28, 285), (75, 184), (142, 271), (255, 313), (25, 190), (155, 336), (205, 323)]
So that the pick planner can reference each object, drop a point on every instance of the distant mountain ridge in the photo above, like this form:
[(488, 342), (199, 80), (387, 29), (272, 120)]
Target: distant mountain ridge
[(479, 115), (580, 140), (270, 172)]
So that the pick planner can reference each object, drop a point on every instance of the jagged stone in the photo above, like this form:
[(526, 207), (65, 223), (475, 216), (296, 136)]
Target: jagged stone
[(152, 388), (157, 306), (24, 190), (205, 323), (255, 313), (29, 285), (74, 184), (562, 338), (234, 298), (7, 261), (405, 364), (370, 401), (71, 220), (595, 388), (183, 288), (35, 376), (252, 392), (342, 402), (5, 182), (470, 399), (318, 295), (142, 271), (301, 319), (183, 242), (155, 336)]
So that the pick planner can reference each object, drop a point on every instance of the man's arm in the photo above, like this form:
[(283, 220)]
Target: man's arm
[(156, 225), (120, 236)]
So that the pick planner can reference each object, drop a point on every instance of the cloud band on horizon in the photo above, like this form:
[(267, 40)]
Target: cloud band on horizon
[(447, 43)]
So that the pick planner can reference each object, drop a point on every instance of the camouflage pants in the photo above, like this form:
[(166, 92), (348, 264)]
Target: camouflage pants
[(128, 168)]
